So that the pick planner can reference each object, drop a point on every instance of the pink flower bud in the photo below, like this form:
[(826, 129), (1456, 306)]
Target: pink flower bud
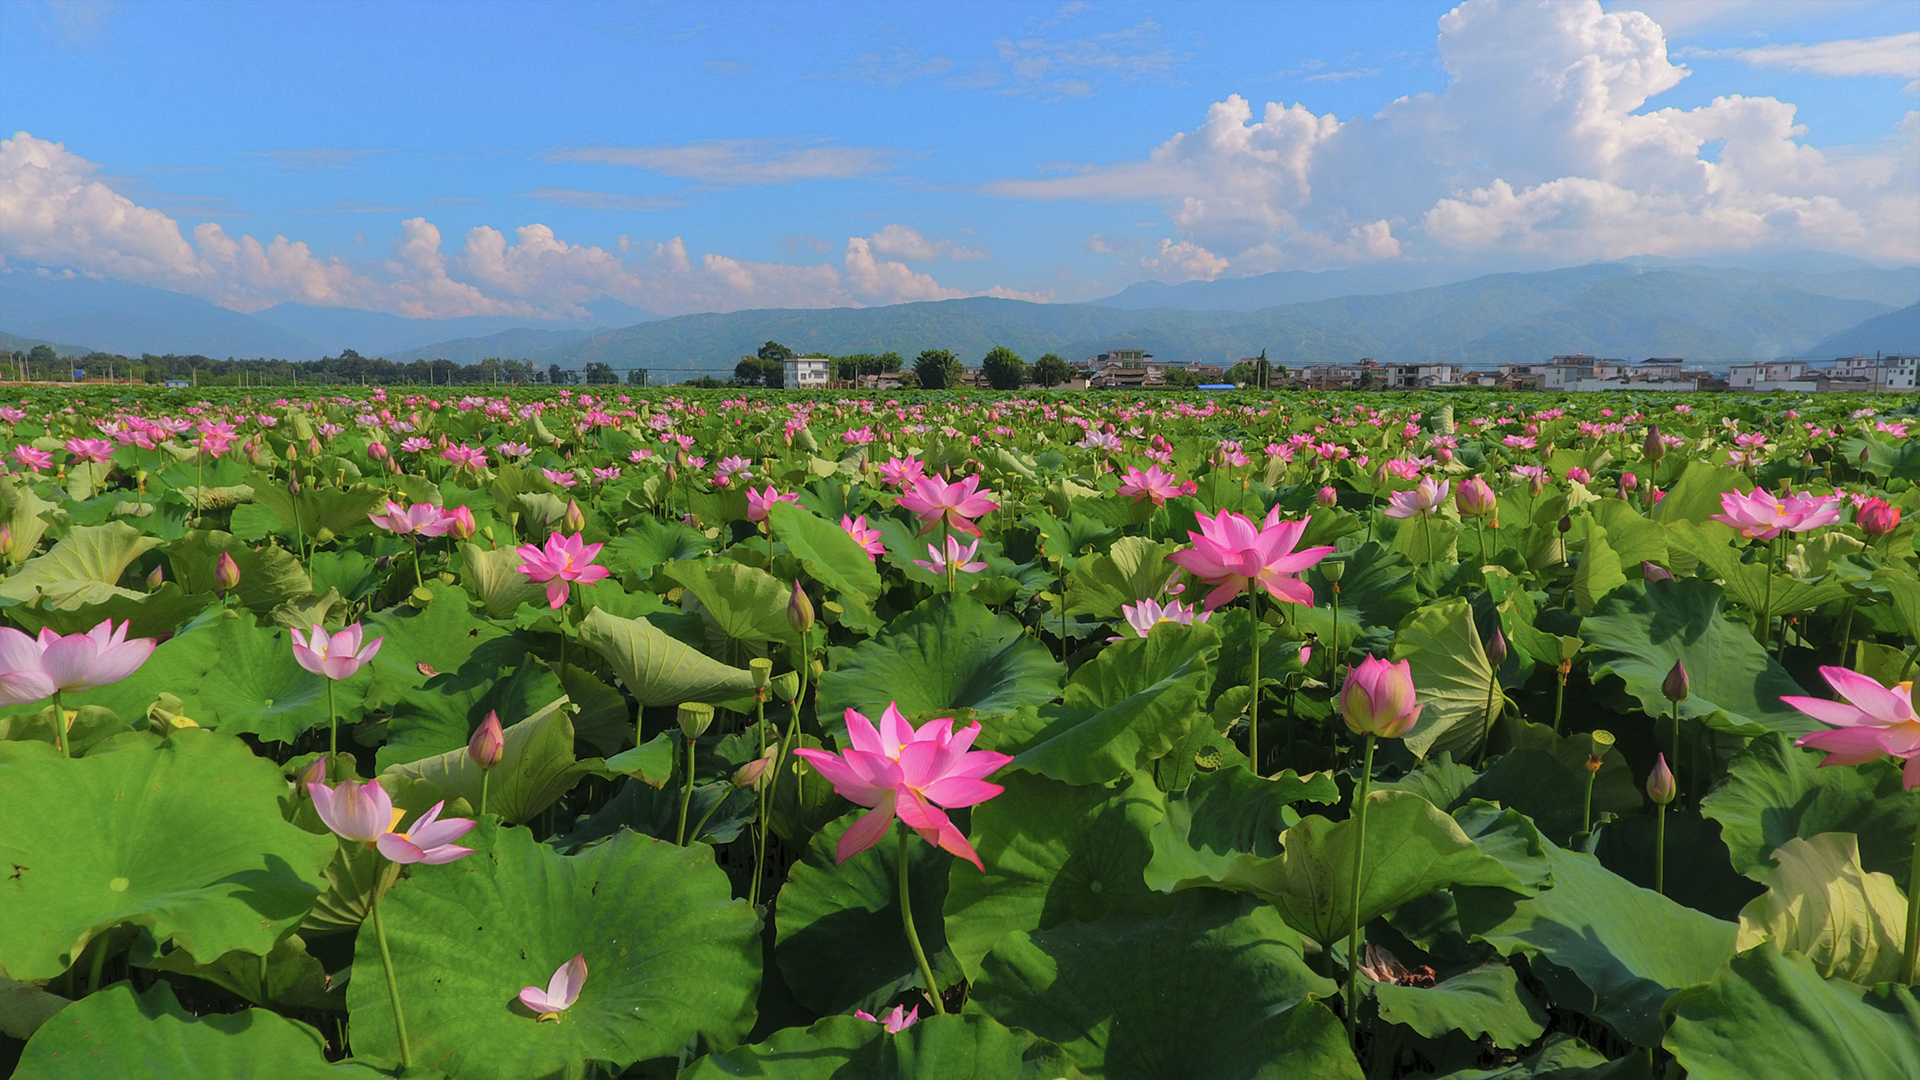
[(1474, 498), (1327, 497), (1497, 648), (575, 518), (1651, 573), (314, 773), (1878, 517), (489, 743), (459, 522), (1660, 785), (156, 578), (378, 450), (226, 573), (1653, 447), (1676, 684), (799, 610), (1378, 699)]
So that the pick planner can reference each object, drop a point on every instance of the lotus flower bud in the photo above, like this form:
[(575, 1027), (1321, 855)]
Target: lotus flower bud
[(489, 742), (786, 685), (6, 537), (1378, 698), (313, 446), (1676, 684), (293, 484), (314, 773), (1878, 517), (226, 573), (377, 450), (1654, 448), (695, 717), (1660, 785), (757, 773), (1566, 524), (1474, 498), (460, 523), (1327, 497), (575, 519), (1497, 648), (799, 610), (761, 669), (1628, 482), (1380, 475), (293, 451), (156, 578), (1865, 455), (1651, 573)]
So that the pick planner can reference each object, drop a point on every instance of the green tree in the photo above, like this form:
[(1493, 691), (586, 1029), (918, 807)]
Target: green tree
[(1244, 374), (637, 376), (773, 373), (600, 373), (938, 370), (1180, 378), (890, 362), (748, 371), (775, 351), (1004, 369), (1050, 370)]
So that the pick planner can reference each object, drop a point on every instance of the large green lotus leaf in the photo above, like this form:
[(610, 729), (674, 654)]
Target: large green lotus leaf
[(1222, 814), (648, 542), (121, 1033), (1637, 633), (318, 512), (1606, 946), (946, 655), (269, 576), (670, 955), (1562, 1055), (657, 669), (1774, 793), (86, 559), (536, 767), (257, 687), (831, 557), (1599, 572), (150, 615), (22, 508), (1135, 569), (288, 977), (1821, 904), (1217, 988), (1131, 704), (441, 635), (840, 944), (494, 577), (1696, 495), (103, 841), (1768, 1014), (1751, 585), (1451, 677), (1428, 539), (1070, 538), (955, 1047), (1633, 538), (1052, 853), (1376, 594), (1484, 1001), (745, 607), (1412, 849), (441, 716)]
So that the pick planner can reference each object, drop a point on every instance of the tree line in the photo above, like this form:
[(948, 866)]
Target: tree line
[(42, 364), (933, 369)]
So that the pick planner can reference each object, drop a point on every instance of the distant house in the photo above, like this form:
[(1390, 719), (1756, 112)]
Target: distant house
[(808, 372), (1872, 373), (1772, 375)]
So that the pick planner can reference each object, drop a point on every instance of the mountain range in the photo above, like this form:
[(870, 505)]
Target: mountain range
[(1805, 304)]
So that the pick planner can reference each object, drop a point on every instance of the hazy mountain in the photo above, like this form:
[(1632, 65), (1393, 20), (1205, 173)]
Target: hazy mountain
[(1896, 332), (1283, 287), (515, 344), (16, 343), (376, 333), (132, 319)]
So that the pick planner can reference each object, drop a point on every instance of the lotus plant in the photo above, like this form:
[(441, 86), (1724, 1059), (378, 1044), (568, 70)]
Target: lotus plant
[(896, 1020), (51, 665), (1379, 702), (900, 771), (339, 655), (563, 561)]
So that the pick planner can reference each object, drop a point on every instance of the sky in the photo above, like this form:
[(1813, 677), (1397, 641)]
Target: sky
[(437, 160)]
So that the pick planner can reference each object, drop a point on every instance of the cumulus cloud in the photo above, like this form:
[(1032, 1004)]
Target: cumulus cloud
[(55, 211), (736, 162), (1183, 261), (1540, 142)]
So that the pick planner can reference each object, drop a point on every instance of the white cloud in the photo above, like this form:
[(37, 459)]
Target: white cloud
[(1897, 55), (1183, 261), (604, 200), (1540, 142), (54, 211), (742, 161)]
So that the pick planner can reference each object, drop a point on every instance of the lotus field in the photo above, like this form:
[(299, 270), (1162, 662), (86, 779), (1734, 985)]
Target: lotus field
[(687, 735)]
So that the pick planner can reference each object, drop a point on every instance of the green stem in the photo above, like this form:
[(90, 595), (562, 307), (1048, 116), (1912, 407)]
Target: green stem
[(60, 726), (946, 535), (1766, 604), (485, 775), (1910, 962), (393, 984), (417, 582), (1676, 748), (99, 963), (1586, 809), (686, 798), (1487, 736), (760, 798), (706, 817), (1906, 669), (1253, 702), (1660, 852), (1353, 894), (1481, 522), (913, 936), (333, 732), (1559, 699)]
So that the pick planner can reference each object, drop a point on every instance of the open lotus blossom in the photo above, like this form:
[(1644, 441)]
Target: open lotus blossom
[(960, 558), (94, 450), (1761, 515), (565, 478), (1232, 555), (564, 559), (760, 503), (1153, 484), (561, 992), (896, 1020), (34, 669), (1147, 614), (934, 499), (1425, 499), (465, 457), (365, 814), (407, 520), (1877, 517), (1872, 721), (868, 539), (899, 472), (898, 770), (337, 655)]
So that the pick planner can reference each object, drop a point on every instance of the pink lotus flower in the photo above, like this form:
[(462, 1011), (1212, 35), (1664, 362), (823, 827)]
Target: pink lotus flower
[(560, 477), (94, 450), (561, 992), (565, 559), (760, 503), (416, 444), (900, 771), (1872, 721), (465, 457), (896, 1021), (457, 523), (514, 449), (33, 669), (31, 458), (1422, 501), (960, 558), (934, 500), (1147, 614), (606, 475), (1378, 698), (1153, 484), (898, 472), (1231, 554), (338, 655), (365, 814), (1474, 498), (868, 539), (1877, 517), (1761, 515), (407, 520)]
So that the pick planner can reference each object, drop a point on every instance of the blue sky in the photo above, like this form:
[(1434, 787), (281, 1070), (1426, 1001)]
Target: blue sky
[(452, 159)]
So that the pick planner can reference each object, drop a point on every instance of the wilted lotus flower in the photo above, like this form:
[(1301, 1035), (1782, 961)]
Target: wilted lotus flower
[(1378, 699), (338, 655), (896, 1021), (561, 992)]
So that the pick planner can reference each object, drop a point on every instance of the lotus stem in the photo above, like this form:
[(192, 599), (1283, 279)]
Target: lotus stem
[(1253, 702), (1586, 808), (1486, 738), (485, 776), (1660, 851), (906, 920), (1353, 895), (1766, 603), (762, 792), (1910, 959), (99, 964), (686, 797), (333, 733), (60, 726), (1676, 746), (1333, 660), (393, 984)]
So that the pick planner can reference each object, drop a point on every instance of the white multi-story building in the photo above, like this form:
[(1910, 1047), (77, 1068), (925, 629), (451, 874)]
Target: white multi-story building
[(1872, 373), (1418, 376), (1769, 375), (808, 372)]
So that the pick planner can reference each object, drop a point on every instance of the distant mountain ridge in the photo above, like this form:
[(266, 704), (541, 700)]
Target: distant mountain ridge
[(1896, 332)]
